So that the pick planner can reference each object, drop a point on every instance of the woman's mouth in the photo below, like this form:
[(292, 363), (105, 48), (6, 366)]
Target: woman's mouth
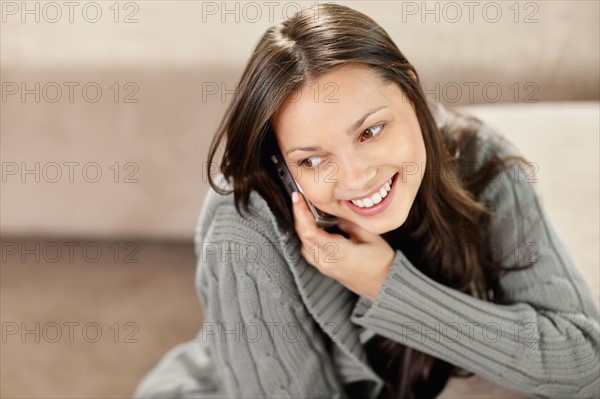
[(377, 202)]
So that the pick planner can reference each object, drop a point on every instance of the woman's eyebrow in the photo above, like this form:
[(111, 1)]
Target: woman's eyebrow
[(361, 120), (350, 130)]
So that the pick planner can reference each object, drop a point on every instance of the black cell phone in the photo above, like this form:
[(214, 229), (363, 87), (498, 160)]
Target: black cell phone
[(323, 220)]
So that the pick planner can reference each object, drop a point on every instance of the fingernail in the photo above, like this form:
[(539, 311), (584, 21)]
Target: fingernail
[(295, 196)]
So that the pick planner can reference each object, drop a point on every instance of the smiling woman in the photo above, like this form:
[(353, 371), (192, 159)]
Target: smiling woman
[(429, 215)]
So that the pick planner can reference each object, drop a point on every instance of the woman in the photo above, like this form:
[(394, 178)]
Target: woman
[(442, 264)]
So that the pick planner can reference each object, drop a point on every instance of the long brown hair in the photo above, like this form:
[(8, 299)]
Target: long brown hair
[(445, 232)]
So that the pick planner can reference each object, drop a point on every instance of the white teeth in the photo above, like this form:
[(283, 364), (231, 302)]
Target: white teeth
[(375, 198), (383, 193)]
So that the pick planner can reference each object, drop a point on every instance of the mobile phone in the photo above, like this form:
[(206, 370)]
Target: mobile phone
[(323, 220)]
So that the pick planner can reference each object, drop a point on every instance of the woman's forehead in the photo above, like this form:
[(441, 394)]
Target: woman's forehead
[(337, 97)]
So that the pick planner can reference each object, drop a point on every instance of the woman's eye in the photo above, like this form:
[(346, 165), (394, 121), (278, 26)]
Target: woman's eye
[(314, 162), (310, 162), (374, 131)]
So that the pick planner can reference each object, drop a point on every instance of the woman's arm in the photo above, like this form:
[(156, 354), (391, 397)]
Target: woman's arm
[(257, 339), (543, 342)]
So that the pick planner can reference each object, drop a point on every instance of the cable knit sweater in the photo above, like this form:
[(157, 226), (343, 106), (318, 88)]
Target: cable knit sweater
[(275, 327)]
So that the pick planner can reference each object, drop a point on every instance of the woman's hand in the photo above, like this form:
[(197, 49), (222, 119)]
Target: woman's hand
[(360, 263)]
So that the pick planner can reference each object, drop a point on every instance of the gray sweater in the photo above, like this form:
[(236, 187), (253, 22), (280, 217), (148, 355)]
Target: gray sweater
[(273, 326)]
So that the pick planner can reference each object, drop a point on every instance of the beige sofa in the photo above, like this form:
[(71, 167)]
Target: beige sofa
[(531, 71)]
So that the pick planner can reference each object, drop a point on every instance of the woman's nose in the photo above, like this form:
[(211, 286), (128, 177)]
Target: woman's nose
[(354, 174)]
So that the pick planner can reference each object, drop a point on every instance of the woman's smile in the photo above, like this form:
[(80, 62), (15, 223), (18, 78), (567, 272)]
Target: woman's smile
[(376, 203)]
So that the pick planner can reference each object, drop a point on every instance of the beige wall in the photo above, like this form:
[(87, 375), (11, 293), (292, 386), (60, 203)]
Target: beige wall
[(176, 52)]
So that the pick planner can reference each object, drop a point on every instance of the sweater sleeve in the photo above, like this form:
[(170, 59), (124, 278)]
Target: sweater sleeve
[(185, 371), (257, 338), (543, 340)]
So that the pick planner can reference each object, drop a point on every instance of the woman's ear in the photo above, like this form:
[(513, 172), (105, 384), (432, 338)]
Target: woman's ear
[(412, 75)]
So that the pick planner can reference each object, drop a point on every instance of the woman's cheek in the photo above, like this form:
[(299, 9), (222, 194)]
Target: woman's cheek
[(320, 193)]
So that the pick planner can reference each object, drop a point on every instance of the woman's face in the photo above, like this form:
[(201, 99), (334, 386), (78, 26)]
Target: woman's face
[(342, 160)]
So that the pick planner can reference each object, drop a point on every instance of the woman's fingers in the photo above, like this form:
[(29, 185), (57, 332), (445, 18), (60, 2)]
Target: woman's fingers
[(317, 243), (305, 224)]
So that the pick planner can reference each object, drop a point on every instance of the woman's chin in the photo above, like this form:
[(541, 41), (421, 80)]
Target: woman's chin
[(377, 228)]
